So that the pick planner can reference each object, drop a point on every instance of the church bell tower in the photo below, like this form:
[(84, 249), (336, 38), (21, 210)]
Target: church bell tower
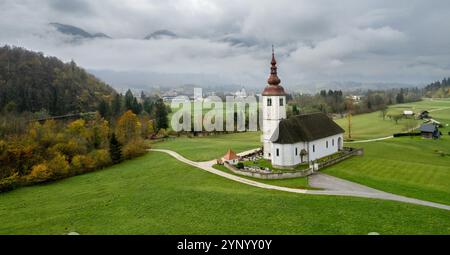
[(274, 106)]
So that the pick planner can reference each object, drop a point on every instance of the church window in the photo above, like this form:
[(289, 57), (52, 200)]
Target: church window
[(332, 142), (327, 144), (281, 102), (278, 152), (296, 151), (314, 148), (269, 102)]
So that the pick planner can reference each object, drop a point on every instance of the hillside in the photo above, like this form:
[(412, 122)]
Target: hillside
[(31, 82)]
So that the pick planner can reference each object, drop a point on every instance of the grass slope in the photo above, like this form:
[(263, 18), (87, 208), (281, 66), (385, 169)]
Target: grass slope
[(372, 125), (211, 147), (156, 194), (406, 166)]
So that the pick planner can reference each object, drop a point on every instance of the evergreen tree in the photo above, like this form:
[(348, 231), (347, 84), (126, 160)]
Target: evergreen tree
[(161, 114), (129, 100), (116, 106), (103, 108), (400, 98), (115, 149)]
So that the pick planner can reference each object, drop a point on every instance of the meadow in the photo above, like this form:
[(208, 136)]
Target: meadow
[(372, 125), (409, 166), (155, 194), (211, 147)]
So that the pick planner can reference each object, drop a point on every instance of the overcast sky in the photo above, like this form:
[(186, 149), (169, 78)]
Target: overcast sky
[(315, 41)]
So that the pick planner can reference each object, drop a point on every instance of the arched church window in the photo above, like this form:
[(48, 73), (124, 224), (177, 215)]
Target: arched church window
[(281, 102), (269, 102)]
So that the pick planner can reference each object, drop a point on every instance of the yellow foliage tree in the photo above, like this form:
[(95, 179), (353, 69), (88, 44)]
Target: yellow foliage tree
[(41, 172), (128, 127), (59, 165)]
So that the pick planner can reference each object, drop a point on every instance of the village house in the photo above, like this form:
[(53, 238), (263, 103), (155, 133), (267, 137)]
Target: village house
[(430, 131)]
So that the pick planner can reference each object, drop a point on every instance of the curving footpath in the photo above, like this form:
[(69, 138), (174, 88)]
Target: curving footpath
[(371, 193)]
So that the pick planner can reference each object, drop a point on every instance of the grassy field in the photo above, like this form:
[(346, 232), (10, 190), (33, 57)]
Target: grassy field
[(408, 166), (211, 147), (372, 125), (156, 194)]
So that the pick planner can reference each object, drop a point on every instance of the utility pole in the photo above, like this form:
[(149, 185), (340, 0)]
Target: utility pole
[(349, 118)]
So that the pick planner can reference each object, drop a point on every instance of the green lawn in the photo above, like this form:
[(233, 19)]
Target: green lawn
[(296, 183), (406, 166), (156, 194), (211, 147), (372, 125)]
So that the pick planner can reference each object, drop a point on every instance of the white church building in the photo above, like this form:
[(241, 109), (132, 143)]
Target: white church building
[(299, 139)]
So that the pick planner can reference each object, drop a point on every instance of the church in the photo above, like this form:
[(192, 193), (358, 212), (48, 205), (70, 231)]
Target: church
[(299, 139)]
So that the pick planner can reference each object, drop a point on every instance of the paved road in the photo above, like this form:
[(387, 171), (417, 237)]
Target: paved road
[(328, 182), (372, 193)]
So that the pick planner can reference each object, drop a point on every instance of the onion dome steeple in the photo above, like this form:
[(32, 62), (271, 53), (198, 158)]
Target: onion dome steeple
[(274, 88)]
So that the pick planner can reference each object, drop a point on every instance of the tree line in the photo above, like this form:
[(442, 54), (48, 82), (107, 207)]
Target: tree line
[(338, 102), (438, 89)]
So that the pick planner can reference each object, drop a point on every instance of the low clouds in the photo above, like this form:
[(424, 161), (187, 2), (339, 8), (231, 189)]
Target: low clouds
[(316, 41)]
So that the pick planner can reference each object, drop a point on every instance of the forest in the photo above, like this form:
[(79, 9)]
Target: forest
[(57, 120)]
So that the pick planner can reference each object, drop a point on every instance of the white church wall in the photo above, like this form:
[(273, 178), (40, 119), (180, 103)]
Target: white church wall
[(287, 156), (318, 148)]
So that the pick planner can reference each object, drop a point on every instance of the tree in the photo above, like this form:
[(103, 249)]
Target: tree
[(400, 98), (104, 108), (115, 149), (129, 98), (384, 111), (295, 110), (161, 115), (128, 127), (116, 106)]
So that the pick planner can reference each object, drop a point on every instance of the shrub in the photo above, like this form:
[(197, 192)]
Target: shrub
[(40, 173), (240, 165), (101, 158), (134, 148), (59, 165), (9, 183)]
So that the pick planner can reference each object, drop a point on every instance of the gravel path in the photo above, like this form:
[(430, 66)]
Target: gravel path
[(353, 190)]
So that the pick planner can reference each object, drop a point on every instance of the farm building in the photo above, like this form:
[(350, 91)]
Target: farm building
[(408, 113), (424, 115), (430, 131)]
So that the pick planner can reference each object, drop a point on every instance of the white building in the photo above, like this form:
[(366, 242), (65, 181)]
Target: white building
[(300, 139), (241, 93)]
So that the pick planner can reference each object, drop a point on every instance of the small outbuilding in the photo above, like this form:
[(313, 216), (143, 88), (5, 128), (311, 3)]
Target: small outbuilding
[(408, 113), (424, 115), (430, 131), (230, 157)]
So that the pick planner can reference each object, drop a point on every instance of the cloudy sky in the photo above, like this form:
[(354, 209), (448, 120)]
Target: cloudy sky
[(229, 41)]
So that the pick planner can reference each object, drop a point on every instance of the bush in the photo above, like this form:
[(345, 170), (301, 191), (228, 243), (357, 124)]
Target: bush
[(134, 148), (40, 173), (240, 165), (101, 158), (9, 183), (59, 165)]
